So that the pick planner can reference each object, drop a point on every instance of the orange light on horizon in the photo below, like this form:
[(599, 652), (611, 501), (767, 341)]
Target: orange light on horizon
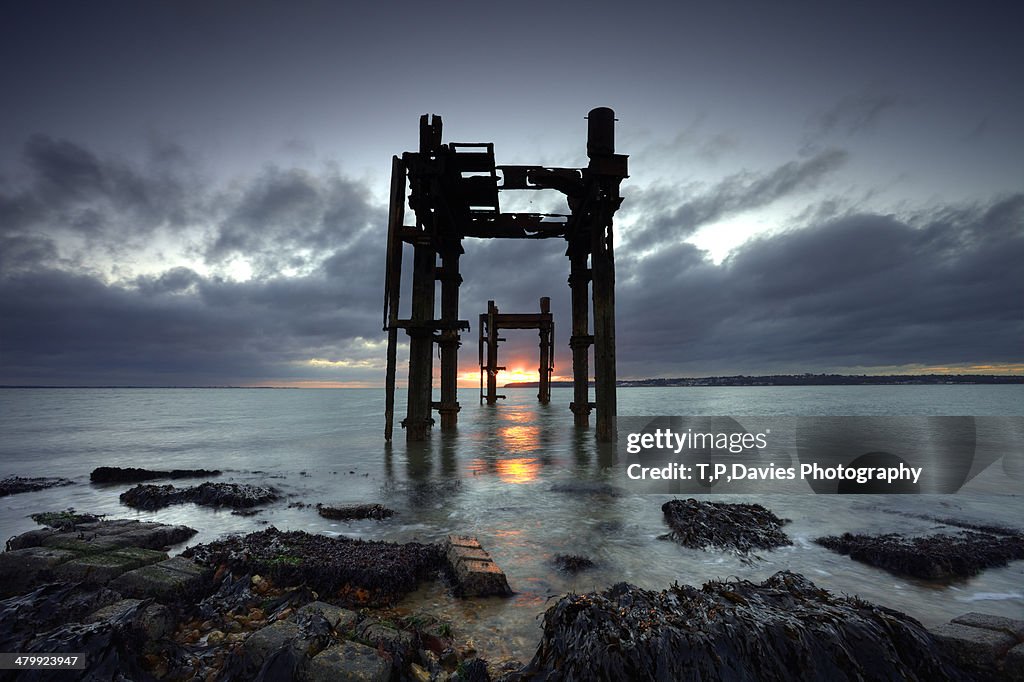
[(517, 372)]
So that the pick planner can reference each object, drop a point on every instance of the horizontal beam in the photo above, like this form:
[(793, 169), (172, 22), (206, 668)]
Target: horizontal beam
[(438, 325)]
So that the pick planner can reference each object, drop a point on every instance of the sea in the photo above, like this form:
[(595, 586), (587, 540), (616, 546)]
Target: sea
[(517, 475)]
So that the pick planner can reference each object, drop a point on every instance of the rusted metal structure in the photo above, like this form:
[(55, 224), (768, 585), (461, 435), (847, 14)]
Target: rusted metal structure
[(491, 324), (453, 190)]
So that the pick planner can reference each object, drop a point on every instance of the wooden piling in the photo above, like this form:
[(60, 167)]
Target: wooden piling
[(579, 280), (546, 353)]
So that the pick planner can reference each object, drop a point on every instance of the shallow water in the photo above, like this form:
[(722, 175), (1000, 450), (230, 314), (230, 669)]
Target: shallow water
[(499, 478)]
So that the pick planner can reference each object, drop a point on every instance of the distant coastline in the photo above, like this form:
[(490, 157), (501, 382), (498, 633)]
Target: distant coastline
[(804, 380)]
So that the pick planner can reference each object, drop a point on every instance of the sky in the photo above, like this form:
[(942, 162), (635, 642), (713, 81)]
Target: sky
[(195, 193)]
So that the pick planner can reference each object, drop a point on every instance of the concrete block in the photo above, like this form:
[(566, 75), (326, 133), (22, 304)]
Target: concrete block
[(481, 579), (464, 541), (456, 553), (475, 573)]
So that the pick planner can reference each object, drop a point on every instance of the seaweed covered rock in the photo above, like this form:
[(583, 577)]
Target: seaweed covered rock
[(134, 475), (356, 571), (68, 519), (13, 485), (742, 527), (234, 495), (355, 511), (572, 563), (932, 557), (785, 628)]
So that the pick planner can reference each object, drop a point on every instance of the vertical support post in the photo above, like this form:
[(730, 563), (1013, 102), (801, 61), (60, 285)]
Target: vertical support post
[(392, 286), (481, 330), (492, 353), (418, 418), (544, 390), (601, 146), (604, 328), (449, 343), (579, 279)]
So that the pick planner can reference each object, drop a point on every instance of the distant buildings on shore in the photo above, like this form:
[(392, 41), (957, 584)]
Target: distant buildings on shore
[(807, 380)]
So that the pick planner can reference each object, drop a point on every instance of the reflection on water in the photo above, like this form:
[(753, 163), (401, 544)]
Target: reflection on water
[(517, 475)]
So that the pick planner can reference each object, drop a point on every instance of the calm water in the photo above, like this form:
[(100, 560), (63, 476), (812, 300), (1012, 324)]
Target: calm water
[(494, 479)]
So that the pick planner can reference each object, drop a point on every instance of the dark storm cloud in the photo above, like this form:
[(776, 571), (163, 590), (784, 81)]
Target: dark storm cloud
[(291, 217), (849, 116), (178, 328), (859, 290), (64, 190), (669, 217), (62, 322), (849, 289)]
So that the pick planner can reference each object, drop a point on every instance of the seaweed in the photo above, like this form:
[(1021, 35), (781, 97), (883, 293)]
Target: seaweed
[(134, 475), (931, 557), (571, 563), (12, 485), (358, 572), (785, 628), (355, 511), (742, 527), (235, 495)]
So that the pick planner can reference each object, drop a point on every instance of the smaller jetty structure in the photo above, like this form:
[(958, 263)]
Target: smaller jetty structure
[(491, 324)]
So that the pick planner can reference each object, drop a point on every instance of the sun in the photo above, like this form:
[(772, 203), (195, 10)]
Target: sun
[(517, 373)]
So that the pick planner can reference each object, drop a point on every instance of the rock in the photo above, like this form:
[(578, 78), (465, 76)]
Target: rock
[(114, 611), (65, 520), (347, 662), (741, 527), (155, 621), (150, 621), (1013, 664), (932, 557), (473, 671), (355, 511), (1014, 628), (575, 487), (236, 495), (341, 620), (783, 628), (32, 538), (177, 577), (49, 606), (388, 638), (472, 570), (12, 485), (974, 648), (571, 563), (20, 569), (418, 673), (134, 475), (104, 536), (266, 641), (98, 569), (355, 571)]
